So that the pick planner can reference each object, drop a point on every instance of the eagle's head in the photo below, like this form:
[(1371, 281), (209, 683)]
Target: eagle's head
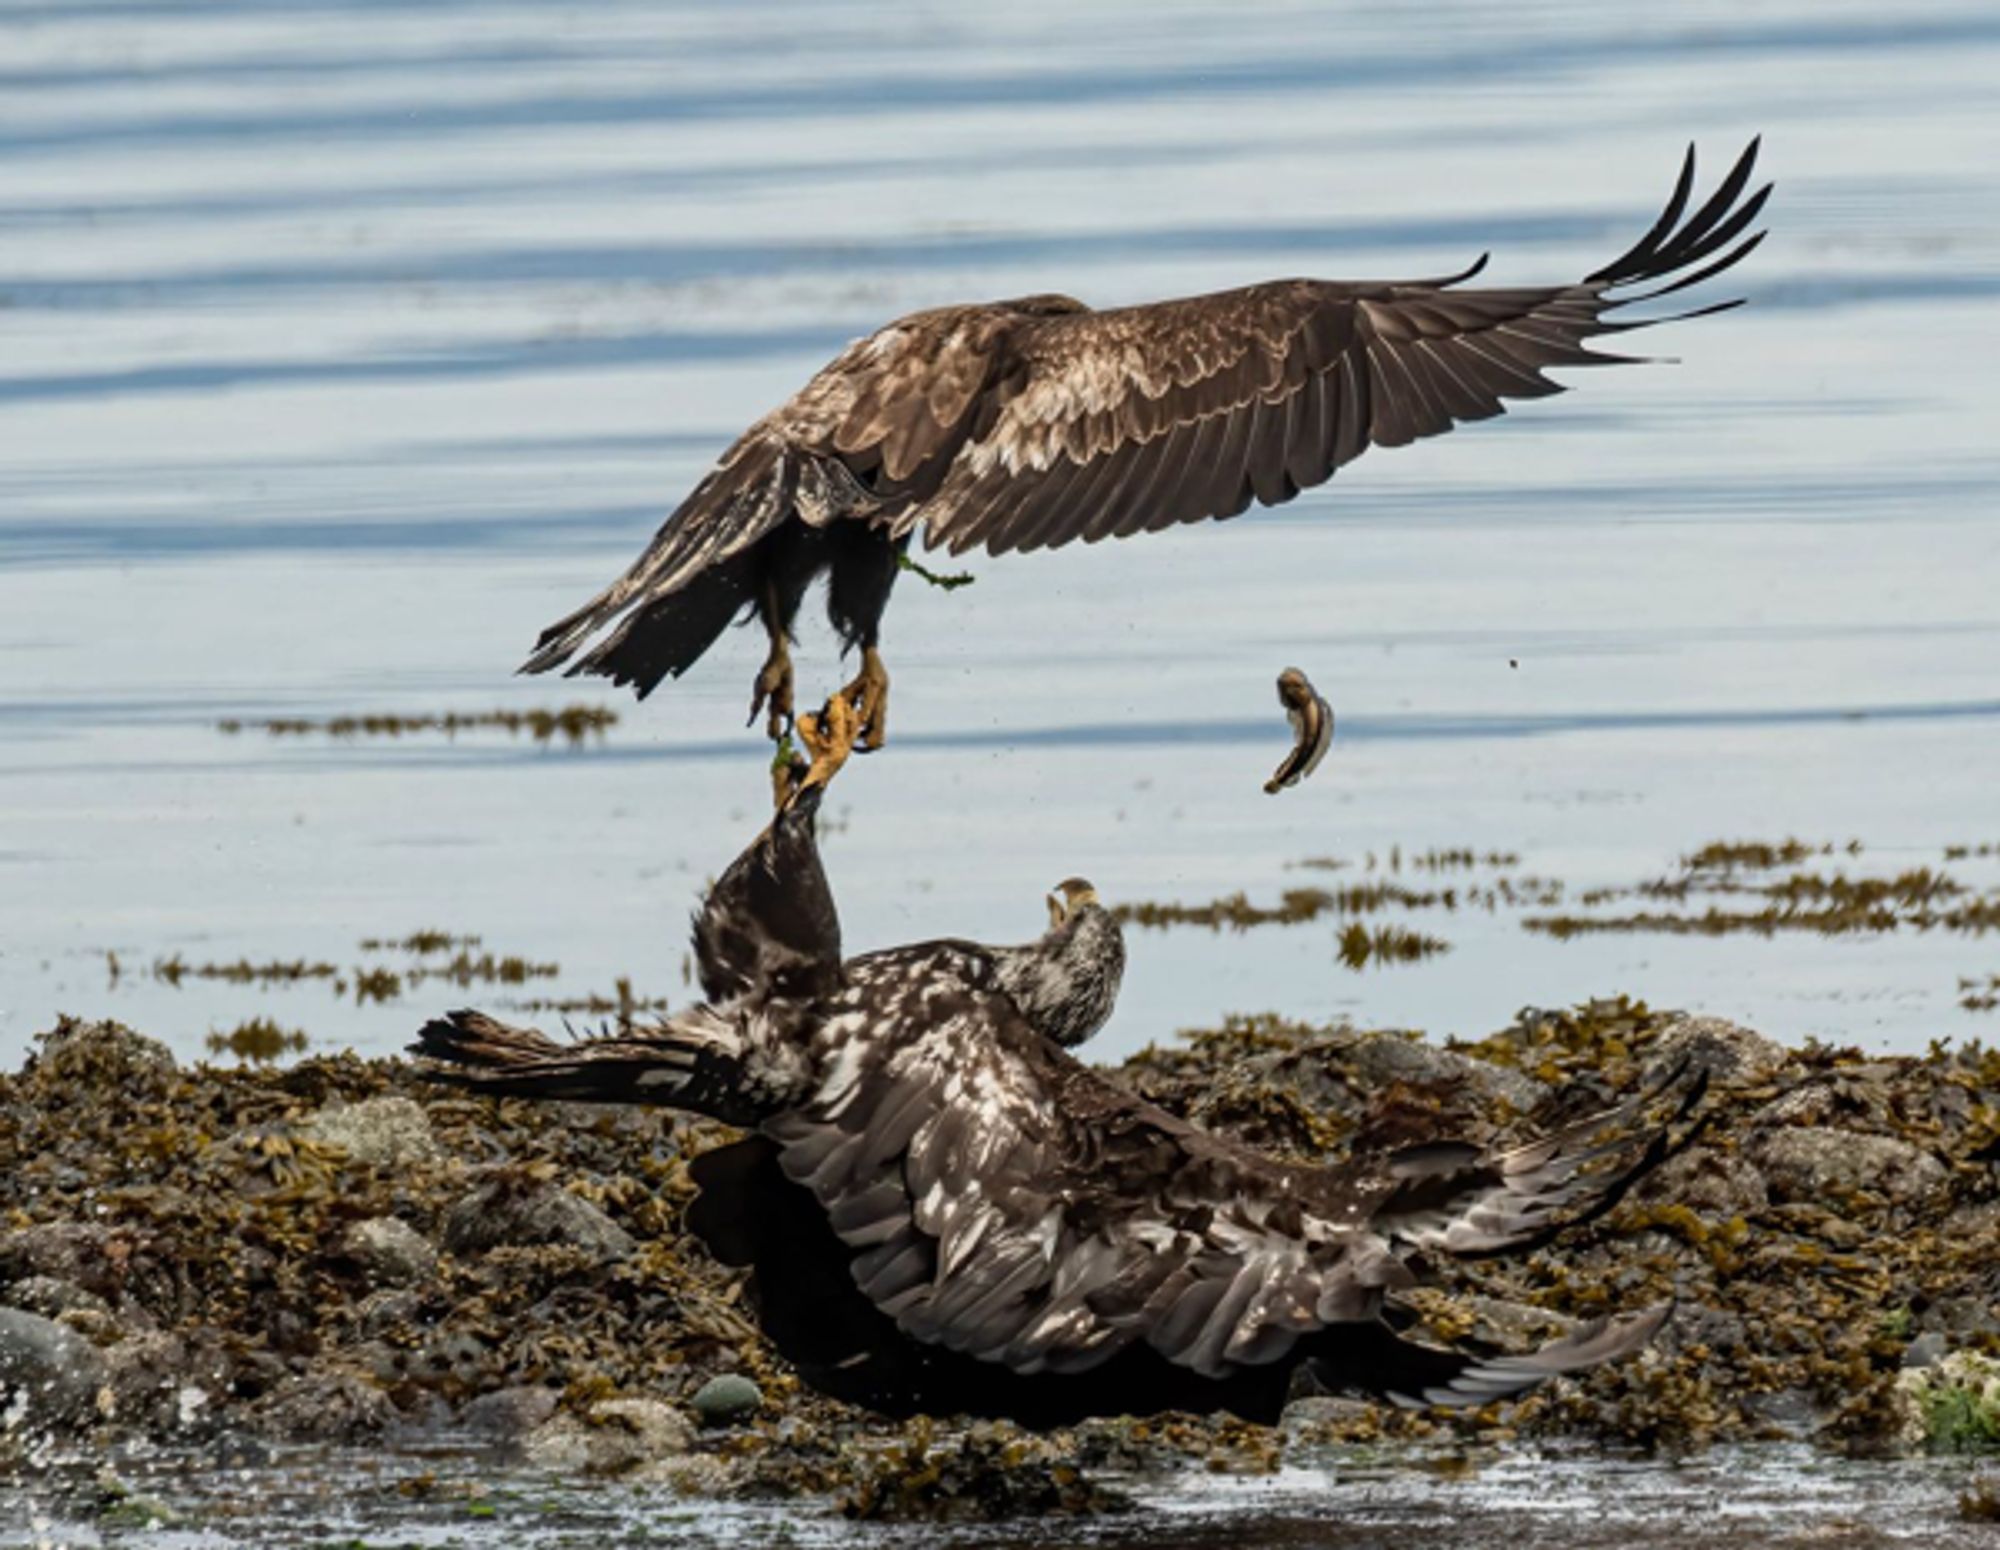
[(1071, 895)]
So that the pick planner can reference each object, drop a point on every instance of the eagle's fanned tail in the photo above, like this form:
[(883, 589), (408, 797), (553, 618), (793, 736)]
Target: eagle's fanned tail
[(744, 497), (698, 1060)]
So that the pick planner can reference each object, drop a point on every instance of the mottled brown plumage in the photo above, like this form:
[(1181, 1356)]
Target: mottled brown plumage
[(944, 1210), (1032, 423)]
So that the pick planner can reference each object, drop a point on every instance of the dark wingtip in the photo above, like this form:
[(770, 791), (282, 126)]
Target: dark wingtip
[(1673, 247)]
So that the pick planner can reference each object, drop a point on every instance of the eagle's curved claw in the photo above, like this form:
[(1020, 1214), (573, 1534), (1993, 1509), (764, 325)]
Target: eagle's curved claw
[(869, 695), (774, 687)]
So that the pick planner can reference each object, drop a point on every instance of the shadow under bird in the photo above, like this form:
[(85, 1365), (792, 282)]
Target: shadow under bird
[(944, 1211), (1026, 424)]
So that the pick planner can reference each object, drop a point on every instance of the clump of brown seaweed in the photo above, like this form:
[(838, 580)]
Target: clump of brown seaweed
[(257, 1038)]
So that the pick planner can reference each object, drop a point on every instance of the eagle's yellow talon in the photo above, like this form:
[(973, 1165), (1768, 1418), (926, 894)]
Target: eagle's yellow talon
[(829, 736), (869, 695)]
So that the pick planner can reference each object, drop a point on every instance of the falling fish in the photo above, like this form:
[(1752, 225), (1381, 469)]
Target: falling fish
[(1312, 729)]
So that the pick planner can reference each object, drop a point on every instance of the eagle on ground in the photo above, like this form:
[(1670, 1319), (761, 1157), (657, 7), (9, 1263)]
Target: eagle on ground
[(1026, 424), (945, 1212)]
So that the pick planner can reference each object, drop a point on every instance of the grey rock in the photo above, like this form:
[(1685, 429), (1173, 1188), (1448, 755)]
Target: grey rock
[(727, 1399), (391, 1308), (83, 1254), (1731, 1054), (511, 1413), (1790, 1414), (619, 1435), (48, 1372), (1377, 1059), (390, 1251), (326, 1407), (146, 1375), (500, 1212), (1807, 1163), (1927, 1350), (52, 1297), (386, 1132)]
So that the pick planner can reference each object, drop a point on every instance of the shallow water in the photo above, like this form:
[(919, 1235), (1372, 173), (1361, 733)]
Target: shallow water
[(1750, 1498), (343, 347)]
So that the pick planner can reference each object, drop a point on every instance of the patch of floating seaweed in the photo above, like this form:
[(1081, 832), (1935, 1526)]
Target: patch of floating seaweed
[(1295, 906), (575, 724), (173, 969), (1757, 855), (1977, 995), (258, 1039), (1804, 901), (367, 982), (1360, 946), (420, 942), (623, 1004), (1459, 858)]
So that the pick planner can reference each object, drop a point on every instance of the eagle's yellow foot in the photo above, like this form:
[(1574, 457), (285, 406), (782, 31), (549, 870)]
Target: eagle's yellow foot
[(774, 688), (829, 737), (869, 695)]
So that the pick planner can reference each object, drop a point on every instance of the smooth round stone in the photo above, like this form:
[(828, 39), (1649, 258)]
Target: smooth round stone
[(729, 1398)]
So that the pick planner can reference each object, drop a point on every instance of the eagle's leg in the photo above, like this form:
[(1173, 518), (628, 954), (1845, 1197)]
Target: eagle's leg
[(869, 694), (774, 681)]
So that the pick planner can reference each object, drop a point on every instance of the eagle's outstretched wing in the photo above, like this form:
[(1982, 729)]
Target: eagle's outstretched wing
[(1104, 424), (1025, 424), (1006, 1203)]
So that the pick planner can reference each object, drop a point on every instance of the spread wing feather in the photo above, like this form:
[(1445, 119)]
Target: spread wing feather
[(1011, 1205), (1191, 409)]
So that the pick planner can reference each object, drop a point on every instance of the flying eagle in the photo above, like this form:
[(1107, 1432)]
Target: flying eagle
[(945, 1212), (1026, 424)]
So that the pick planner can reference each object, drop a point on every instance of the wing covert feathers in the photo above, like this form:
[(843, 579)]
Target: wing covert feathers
[(1106, 424)]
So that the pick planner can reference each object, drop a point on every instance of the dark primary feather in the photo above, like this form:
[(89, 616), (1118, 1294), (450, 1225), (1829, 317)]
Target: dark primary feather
[(1031, 423)]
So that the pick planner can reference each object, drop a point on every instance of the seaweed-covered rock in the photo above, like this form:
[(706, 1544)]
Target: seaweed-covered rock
[(1953, 1404), (989, 1472), (1731, 1054), (239, 1266), (49, 1374), (613, 1437), (328, 1406), (90, 1055), (53, 1298), (390, 1251), (86, 1255), (1818, 1163), (385, 1132), (510, 1414), (510, 1209), (1716, 1182)]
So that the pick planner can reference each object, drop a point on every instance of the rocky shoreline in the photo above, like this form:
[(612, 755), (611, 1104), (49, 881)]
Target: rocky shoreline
[(236, 1259)]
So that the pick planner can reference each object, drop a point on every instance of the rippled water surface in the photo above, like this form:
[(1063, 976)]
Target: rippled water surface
[(1748, 1499), (343, 346)]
